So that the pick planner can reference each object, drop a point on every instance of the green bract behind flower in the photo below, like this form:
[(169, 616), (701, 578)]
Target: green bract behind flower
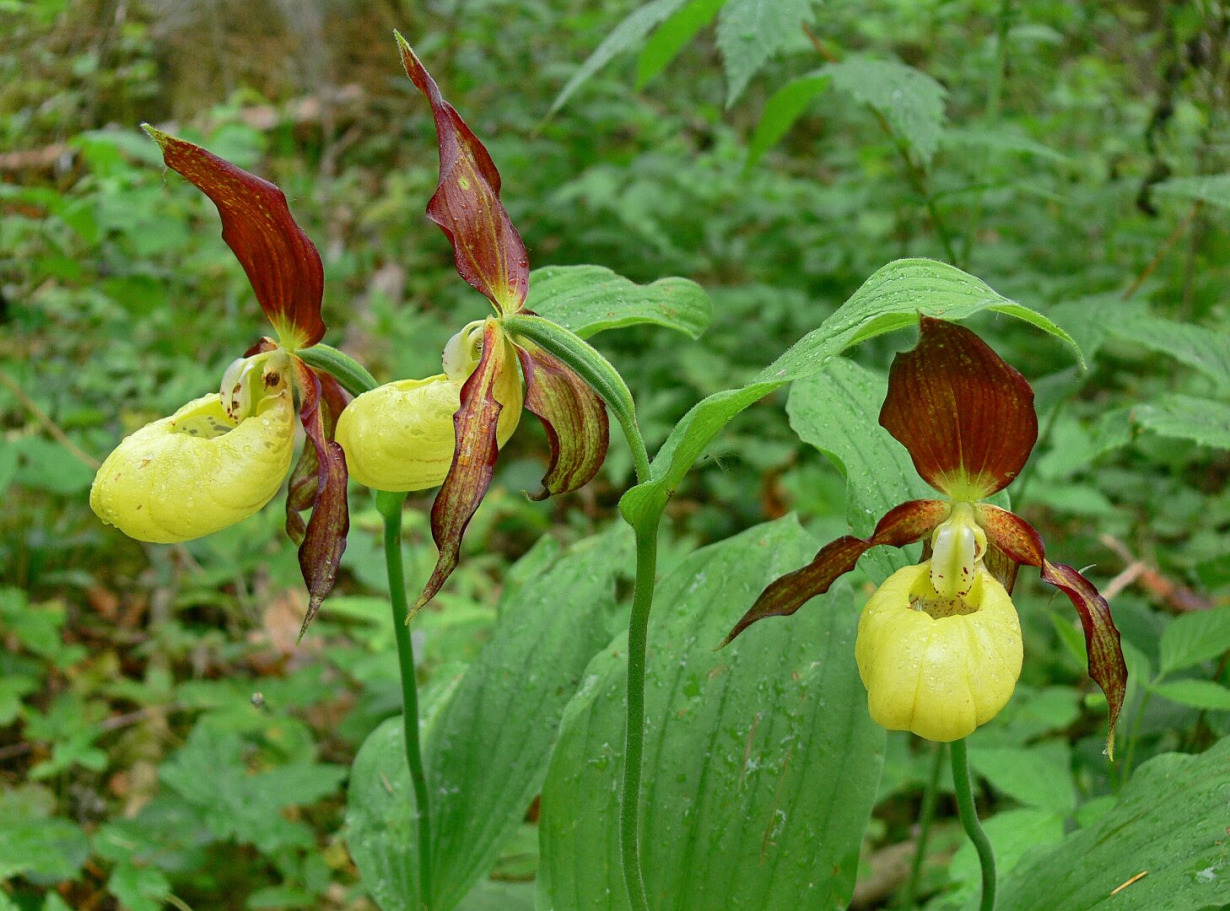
[(197, 471)]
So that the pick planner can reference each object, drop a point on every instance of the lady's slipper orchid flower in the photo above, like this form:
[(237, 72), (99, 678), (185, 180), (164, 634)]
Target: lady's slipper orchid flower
[(448, 429), (939, 645), (222, 457)]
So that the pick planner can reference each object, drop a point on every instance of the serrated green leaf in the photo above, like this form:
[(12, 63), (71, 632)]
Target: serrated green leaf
[(1169, 823), (892, 298), (753, 800), (44, 850), (486, 754), (1198, 694), (783, 108), (751, 32), (624, 37), (1201, 347), (1186, 417), (669, 38), (139, 888), (1193, 638), (910, 100), (591, 299), (1213, 189)]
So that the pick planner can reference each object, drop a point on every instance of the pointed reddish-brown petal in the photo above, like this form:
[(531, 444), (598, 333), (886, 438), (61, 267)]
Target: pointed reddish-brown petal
[(324, 539), (572, 415), (1106, 664), (1021, 542), (304, 479), (486, 247), (474, 427), (965, 416), (281, 262), (902, 525)]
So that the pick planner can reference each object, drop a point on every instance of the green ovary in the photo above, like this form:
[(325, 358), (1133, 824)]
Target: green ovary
[(937, 666), (195, 472)]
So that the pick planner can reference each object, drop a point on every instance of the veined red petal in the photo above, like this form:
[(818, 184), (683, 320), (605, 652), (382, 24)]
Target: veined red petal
[(966, 417), (486, 247), (474, 456), (324, 538), (900, 526), (281, 262), (305, 478), (1022, 543), (572, 415)]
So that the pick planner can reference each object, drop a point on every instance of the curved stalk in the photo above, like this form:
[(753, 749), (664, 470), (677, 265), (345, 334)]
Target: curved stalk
[(390, 505), (634, 734), (969, 821)]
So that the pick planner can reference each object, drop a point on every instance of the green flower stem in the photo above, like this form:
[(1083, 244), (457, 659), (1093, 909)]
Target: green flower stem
[(346, 370), (926, 815), (390, 505), (969, 821), (634, 735)]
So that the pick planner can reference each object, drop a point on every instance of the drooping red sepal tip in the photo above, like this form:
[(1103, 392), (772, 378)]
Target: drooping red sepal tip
[(318, 482), (486, 247), (572, 415), (966, 417), (474, 428), (902, 525), (1021, 542), (282, 264)]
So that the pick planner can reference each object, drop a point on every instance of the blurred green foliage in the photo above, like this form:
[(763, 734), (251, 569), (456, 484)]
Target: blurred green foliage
[(162, 739)]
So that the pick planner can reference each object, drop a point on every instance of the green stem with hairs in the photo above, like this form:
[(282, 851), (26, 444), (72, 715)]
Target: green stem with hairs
[(390, 505), (969, 821)]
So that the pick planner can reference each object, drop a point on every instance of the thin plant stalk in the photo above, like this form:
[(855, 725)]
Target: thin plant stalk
[(390, 507), (969, 821), (634, 735), (926, 815)]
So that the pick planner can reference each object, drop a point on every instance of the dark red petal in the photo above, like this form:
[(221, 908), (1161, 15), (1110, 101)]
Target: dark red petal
[(281, 262), (1106, 664), (474, 426), (572, 415), (324, 539), (304, 479), (486, 247), (1021, 542), (965, 416), (900, 526)]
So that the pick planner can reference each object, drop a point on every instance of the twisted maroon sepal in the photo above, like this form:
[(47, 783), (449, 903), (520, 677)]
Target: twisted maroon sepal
[(282, 264)]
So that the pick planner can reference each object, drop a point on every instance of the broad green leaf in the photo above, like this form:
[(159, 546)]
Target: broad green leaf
[(48, 850), (1213, 188), (835, 411), (890, 299), (627, 35), (670, 37), (1001, 138), (753, 797), (1186, 417), (783, 108), (590, 299), (1039, 775), (47, 465), (751, 32), (1199, 694), (1201, 347), (910, 100), (486, 752), (1195, 637), (1170, 823)]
